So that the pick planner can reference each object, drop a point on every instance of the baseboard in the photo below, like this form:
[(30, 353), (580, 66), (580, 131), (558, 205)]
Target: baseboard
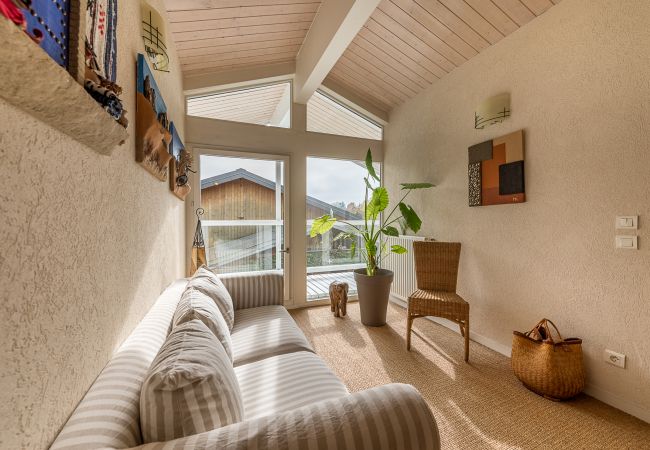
[(591, 390), (617, 402)]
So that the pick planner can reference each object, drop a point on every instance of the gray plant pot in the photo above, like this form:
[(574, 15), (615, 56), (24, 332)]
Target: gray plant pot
[(373, 295)]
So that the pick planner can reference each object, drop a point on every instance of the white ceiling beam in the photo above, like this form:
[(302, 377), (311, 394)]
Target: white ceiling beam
[(334, 27), (197, 84)]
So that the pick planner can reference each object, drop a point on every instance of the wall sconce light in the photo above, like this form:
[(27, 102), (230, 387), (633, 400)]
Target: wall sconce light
[(493, 110)]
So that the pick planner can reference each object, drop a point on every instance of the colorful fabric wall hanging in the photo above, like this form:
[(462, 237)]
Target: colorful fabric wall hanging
[(101, 38)]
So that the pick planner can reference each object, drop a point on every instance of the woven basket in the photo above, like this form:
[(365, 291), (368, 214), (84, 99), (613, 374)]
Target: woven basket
[(550, 368)]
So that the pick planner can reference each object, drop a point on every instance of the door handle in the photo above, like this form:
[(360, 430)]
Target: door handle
[(286, 250)]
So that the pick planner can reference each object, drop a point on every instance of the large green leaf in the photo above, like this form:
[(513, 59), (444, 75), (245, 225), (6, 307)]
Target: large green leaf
[(390, 231), (353, 249), (411, 217), (409, 186), (397, 249), (369, 166), (378, 202), (322, 225)]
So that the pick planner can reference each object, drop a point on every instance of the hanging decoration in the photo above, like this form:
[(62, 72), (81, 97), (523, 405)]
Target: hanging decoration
[(198, 246), (101, 57), (152, 134), (180, 165), (153, 35), (496, 171), (46, 22)]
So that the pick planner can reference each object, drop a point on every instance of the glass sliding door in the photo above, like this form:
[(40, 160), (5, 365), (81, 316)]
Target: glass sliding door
[(244, 220), (334, 187)]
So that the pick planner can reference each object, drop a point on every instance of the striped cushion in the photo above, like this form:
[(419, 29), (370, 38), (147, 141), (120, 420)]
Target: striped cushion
[(285, 382), (191, 387), (109, 413), (207, 282), (390, 417), (253, 289), (196, 305), (266, 331)]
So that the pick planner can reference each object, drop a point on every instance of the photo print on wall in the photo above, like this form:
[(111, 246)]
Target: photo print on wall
[(496, 171), (180, 165), (153, 136)]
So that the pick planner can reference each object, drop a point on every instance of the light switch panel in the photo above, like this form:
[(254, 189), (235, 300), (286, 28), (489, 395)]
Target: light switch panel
[(627, 222), (627, 242)]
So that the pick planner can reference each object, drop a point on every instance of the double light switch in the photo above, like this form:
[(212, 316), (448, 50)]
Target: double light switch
[(627, 241)]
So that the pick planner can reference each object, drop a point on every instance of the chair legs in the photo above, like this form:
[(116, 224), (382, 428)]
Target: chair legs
[(409, 325), (466, 336), (463, 325)]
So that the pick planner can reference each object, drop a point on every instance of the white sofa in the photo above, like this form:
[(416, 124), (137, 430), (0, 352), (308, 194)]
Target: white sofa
[(292, 400)]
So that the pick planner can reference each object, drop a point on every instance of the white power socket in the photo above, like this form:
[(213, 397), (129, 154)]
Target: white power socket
[(615, 359)]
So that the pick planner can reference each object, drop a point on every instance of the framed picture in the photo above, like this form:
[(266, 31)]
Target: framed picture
[(153, 136), (496, 171), (179, 166)]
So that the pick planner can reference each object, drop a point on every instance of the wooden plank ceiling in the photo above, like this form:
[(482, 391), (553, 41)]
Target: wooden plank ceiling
[(409, 44), (217, 35), (405, 46), (256, 105), (324, 115)]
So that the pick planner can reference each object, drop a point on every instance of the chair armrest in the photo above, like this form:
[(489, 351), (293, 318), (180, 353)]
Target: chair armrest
[(390, 417), (253, 289)]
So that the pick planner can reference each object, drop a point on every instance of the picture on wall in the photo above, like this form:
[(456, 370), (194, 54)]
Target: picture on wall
[(46, 22), (153, 136), (179, 166), (496, 171)]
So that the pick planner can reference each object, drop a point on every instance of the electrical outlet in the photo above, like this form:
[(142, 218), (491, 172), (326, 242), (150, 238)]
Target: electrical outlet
[(615, 359)]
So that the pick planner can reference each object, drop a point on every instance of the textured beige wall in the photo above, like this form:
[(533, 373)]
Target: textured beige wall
[(87, 242), (580, 88)]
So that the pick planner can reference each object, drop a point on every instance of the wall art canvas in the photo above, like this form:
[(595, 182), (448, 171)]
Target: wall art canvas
[(496, 171), (46, 22), (101, 38), (179, 166), (153, 136)]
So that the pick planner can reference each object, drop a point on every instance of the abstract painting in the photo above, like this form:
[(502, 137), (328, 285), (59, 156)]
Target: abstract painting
[(496, 171), (153, 136)]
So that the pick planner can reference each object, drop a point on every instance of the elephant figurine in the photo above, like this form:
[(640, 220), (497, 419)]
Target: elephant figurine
[(338, 298)]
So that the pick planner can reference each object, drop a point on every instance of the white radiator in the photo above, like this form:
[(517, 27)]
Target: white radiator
[(403, 266)]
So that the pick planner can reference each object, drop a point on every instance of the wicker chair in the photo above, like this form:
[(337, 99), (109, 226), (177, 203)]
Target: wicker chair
[(436, 272)]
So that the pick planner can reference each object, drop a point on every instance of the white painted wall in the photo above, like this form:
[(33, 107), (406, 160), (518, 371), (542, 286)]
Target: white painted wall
[(87, 243), (578, 76)]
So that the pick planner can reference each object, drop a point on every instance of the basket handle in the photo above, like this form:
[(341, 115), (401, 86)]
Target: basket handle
[(544, 324)]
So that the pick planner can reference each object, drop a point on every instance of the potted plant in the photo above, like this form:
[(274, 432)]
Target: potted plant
[(373, 282)]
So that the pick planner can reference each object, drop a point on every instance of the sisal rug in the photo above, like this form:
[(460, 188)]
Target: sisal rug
[(477, 405)]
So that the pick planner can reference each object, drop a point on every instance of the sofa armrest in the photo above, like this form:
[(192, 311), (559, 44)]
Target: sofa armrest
[(253, 289), (394, 416)]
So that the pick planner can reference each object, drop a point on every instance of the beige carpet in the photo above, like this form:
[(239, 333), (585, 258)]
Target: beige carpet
[(477, 405)]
